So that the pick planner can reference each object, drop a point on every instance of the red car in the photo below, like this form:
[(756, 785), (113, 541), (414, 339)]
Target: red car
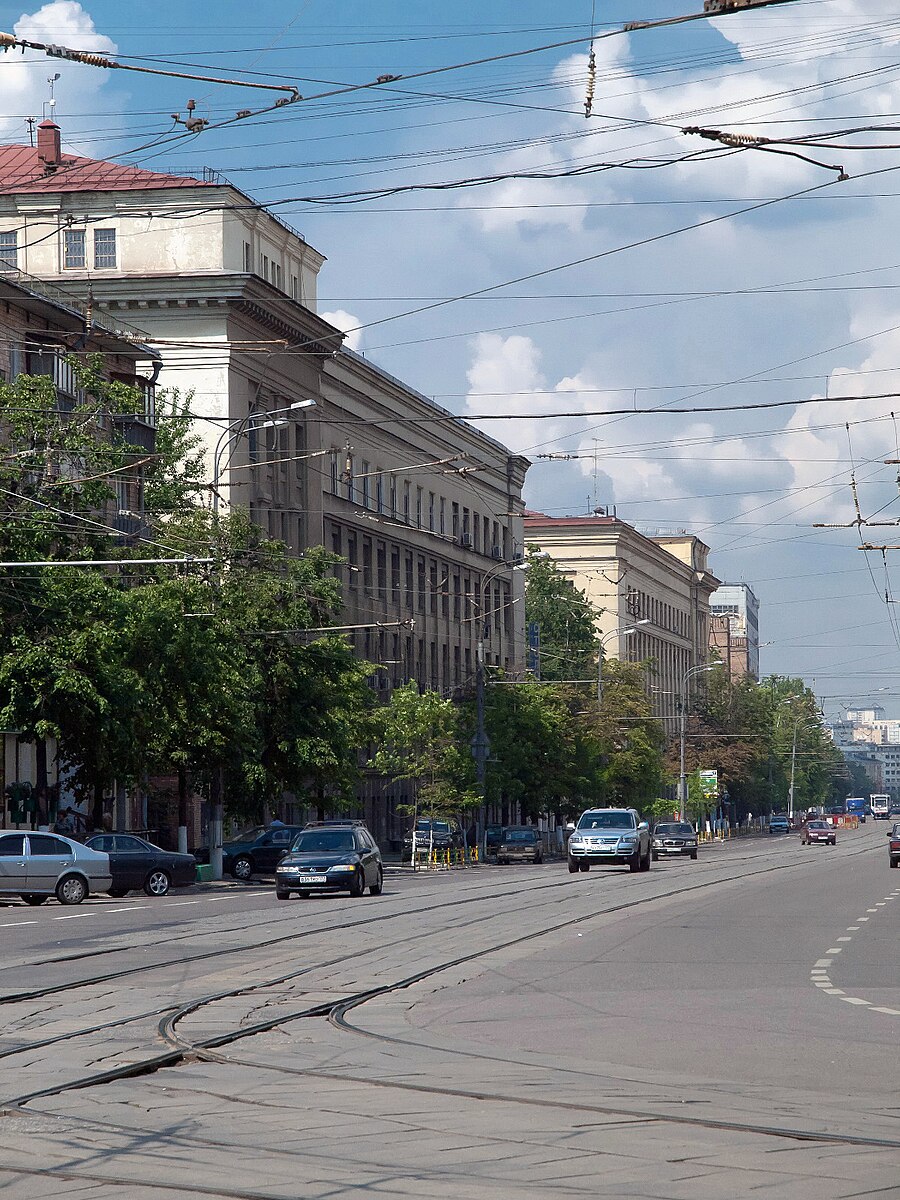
[(894, 845), (818, 831)]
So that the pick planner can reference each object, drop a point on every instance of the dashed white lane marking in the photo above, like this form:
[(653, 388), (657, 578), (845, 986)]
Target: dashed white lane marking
[(16, 924), (819, 977), (73, 916)]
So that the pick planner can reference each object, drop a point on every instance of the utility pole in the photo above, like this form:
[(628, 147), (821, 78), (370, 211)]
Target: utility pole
[(682, 733)]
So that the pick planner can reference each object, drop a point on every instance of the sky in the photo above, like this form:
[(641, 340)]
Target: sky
[(652, 270)]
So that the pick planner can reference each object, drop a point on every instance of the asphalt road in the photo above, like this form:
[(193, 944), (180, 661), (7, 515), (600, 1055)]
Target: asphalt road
[(717, 1029)]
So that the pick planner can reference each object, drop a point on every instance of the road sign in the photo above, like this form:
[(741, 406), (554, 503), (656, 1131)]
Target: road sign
[(709, 784)]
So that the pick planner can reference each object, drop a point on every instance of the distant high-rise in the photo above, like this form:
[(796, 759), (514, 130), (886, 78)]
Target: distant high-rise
[(734, 629)]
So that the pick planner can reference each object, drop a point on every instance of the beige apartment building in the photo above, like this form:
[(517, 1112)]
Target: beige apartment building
[(629, 577), (321, 445)]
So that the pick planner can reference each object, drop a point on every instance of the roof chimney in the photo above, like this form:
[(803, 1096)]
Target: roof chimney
[(48, 144)]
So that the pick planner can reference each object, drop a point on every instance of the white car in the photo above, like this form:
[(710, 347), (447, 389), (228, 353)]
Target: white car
[(36, 866)]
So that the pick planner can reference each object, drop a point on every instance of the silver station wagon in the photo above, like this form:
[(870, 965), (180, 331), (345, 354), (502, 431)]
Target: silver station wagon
[(38, 865)]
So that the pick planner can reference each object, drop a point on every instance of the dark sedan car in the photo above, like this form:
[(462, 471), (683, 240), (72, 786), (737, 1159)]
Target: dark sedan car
[(257, 849), (520, 844), (135, 863), (331, 857), (673, 838)]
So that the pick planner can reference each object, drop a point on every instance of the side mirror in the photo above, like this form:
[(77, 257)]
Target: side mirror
[(643, 825), (570, 826)]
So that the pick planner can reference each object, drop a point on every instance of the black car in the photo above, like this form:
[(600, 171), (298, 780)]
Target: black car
[(433, 835), (331, 856), (135, 863), (258, 849), (673, 838)]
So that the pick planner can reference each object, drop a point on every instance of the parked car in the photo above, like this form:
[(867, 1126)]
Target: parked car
[(135, 863), (673, 838), (38, 865), (894, 846), (258, 849), (818, 831), (493, 835), (609, 835), (520, 843), (779, 824), (438, 835), (331, 856)]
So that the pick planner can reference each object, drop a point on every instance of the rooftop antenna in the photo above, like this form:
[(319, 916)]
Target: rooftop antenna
[(51, 103)]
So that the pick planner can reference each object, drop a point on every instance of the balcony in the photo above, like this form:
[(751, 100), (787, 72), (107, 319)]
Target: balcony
[(136, 430)]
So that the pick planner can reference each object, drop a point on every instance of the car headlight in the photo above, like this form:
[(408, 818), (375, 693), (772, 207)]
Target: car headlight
[(575, 840), (343, 867), (657, 842), (628, 841)]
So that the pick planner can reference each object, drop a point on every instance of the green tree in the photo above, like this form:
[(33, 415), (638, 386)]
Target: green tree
[(421, 743), (565, 617)]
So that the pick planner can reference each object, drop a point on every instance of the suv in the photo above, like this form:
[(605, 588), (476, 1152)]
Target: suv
[(616, 835), (330, 856), (434, 835), (520, 843)]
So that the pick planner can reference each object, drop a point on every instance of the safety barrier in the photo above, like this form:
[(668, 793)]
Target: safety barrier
[(445, 859)]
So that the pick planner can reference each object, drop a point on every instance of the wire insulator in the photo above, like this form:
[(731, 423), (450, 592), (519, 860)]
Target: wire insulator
[(591, 79)]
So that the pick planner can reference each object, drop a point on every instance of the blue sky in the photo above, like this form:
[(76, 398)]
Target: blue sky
[(792, 301)]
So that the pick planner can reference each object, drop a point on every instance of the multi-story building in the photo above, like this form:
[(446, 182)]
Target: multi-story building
[(734, 629), (41, 333), (628, 577), (318, 443)]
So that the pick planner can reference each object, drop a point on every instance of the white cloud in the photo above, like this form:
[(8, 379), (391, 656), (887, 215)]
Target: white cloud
[(25, 76), (347, 323)]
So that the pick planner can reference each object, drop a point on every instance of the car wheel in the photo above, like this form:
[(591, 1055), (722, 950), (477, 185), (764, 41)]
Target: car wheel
[(833, 842), (242, 868), (654, 855), (118, 893), (894, 862), (71, 890), (357, 884), (584, 866), (35, 900), (539, 860), (377, 888), (281, 894), (694, 855), (573, 866), (645, 862), (634, 863), (157, 883)]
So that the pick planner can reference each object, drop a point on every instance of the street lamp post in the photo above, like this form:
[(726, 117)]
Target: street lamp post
[(682, 715), (480, 742), (229, 435), (613, 633)]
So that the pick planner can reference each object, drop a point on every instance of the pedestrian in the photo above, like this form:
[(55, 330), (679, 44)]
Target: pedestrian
[(276, 824)]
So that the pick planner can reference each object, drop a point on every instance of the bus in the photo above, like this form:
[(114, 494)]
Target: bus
[(881, 806), (855, 806)]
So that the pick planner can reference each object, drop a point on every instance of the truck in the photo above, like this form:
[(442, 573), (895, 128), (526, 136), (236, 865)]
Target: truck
[(855, 806), (881, 806)]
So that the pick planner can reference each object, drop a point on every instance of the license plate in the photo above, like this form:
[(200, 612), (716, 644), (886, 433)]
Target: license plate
[(311, 879)]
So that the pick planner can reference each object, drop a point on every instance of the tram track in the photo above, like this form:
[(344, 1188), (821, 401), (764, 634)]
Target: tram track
[(182, 1048)]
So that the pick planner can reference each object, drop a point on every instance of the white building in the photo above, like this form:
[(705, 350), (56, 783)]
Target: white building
[(736, 634)]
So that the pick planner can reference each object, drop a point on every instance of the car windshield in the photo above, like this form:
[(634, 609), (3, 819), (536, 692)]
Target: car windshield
[(519, 835), (606, 820), (818, 825), (674, 830), (316, 841), (249, 835), (437, 826)]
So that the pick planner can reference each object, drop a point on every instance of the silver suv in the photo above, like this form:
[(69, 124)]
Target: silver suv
[(609, 835)]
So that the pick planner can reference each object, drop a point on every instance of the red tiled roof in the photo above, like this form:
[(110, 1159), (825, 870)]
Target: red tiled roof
[(21, 170)]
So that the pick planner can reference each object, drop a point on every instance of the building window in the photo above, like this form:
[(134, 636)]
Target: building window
[(351, 559), (104, 249), (364, 476), (74, 249), (406, 501), (393, 496), (379, 492), (295, 289), (367, 564), (381, 561), (395, 573), (8, 251), (334, 472), (418, 508), (248, 258), (431, 499), (442, 528), (420, 580), (410, 599)]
